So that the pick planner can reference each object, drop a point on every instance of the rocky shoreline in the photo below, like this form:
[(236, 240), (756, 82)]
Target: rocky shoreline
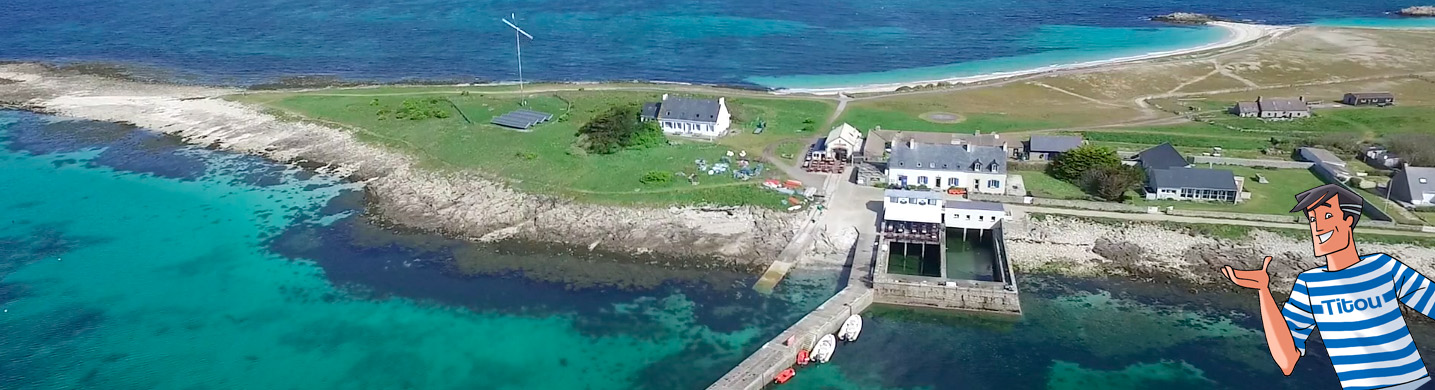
[(1080, 247), (1187, 18), (457, 204), (1423, 10)]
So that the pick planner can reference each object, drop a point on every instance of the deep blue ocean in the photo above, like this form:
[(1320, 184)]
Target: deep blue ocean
[(748, 42)]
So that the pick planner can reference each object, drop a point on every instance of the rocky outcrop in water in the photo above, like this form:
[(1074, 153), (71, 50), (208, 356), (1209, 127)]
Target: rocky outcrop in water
[(1423, 10), (464, 205), (1186, 18)]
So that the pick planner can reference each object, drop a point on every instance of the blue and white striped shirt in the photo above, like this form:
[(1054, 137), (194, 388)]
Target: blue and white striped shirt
[(1363, 330)]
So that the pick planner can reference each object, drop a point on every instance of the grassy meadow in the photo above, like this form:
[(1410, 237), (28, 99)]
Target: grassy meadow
[(546, 159)]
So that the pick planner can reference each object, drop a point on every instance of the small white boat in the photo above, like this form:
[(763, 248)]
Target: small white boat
[(824, 348), (850, 329)]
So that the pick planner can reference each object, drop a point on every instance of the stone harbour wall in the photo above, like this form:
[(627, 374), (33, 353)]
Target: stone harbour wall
[(947, 297)]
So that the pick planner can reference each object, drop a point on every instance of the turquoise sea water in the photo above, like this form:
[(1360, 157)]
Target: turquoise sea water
[(1386, 22), (1058, 45), (799, 43), (131, 261)]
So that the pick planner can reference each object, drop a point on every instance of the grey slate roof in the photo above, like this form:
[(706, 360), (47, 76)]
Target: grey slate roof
[(1247, 107), (650, 110), (1412, 176), (948, 157), (1053, 143), (1161, 157), (688, 109), (1201, 178), (975, 205), (911, 194), (1282, 104), (1373, 95)]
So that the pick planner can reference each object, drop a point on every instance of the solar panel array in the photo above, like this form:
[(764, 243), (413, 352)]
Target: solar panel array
[(521, 119)]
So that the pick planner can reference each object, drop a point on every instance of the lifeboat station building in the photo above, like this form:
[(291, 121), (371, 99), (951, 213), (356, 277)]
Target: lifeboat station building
[(943, 252)]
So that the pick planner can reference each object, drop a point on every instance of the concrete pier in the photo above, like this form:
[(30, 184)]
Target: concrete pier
[(762, 366)]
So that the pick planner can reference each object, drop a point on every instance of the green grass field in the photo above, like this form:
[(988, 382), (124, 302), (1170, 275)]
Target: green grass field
[(1204, 142), (1042, 185), (545, 160), (1274, 197), (1372, 122), (865, 119)]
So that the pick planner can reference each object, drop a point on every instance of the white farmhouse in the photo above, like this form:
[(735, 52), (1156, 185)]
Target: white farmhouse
[(690, 117), (942, 166), (843, 142)]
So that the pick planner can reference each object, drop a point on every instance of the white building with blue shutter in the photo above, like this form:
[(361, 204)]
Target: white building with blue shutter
[(942, 166)]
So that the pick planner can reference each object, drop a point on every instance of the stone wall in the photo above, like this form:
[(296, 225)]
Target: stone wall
[(1251, 162), (944, 297), (1248, 217)]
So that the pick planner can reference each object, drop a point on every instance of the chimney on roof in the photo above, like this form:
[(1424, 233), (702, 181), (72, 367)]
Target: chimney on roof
[(977, 132), (1004, 149), (967, 147), (665, 96), (912, 143)]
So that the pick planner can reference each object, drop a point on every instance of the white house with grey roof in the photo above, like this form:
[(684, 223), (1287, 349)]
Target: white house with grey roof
[(1414, 185), (1180, 183), (690, 117), (1273, 108), (942, 166)]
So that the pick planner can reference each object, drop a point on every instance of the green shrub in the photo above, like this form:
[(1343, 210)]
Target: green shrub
[(1070, 166), (656, 177), (617, 129), (526, 155)]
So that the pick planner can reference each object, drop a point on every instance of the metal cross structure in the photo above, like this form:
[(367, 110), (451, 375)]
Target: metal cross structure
[(518, 40)]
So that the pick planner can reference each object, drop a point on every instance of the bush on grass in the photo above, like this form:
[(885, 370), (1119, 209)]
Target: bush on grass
[(656, 177), (1070, 166), (619, 128)]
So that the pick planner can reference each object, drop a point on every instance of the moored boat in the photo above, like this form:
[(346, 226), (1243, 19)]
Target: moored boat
[(850, 329), (824, 348)]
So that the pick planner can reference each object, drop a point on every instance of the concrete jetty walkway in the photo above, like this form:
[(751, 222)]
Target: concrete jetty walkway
[(777, 354)]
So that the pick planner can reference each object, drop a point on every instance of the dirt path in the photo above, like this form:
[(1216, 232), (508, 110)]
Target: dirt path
[(1077, 95), (842, 100), (1186, 83)]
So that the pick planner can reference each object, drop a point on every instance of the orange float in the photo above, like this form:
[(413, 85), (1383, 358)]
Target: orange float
[(802, 357), (785, 375)]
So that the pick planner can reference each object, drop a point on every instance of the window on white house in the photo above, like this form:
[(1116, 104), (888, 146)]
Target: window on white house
[(922, 180), (994, 183)]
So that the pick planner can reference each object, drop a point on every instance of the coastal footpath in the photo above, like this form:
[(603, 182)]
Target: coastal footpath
[(461, 204)]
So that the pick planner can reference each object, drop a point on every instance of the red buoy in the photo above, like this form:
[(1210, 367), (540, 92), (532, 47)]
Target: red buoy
[(785, 375)]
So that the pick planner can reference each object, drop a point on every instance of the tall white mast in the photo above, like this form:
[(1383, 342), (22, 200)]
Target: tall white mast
[(518, 35)]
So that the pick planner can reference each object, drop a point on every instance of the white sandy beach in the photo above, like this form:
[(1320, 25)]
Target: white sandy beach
[(1237, 34)]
